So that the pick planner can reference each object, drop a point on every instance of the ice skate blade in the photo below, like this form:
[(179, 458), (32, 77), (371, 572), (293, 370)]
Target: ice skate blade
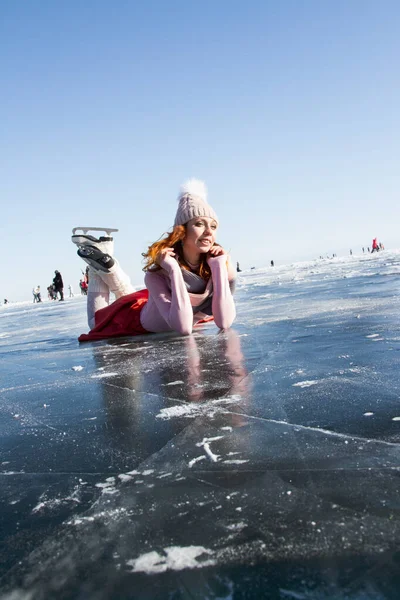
[(107, 230)]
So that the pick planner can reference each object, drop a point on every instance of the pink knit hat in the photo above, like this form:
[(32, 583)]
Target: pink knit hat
[(193, 203)]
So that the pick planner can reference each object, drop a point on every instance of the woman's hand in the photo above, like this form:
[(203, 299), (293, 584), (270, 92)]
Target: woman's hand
[(166, 258), (216, 251)]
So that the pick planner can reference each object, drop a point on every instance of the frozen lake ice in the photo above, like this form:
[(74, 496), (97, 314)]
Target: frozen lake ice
[(262, 462)]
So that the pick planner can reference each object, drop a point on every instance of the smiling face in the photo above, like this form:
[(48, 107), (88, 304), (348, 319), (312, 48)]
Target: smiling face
[(200, 237)]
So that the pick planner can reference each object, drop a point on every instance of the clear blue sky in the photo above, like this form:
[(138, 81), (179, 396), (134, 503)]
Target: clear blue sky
[(289, 110)]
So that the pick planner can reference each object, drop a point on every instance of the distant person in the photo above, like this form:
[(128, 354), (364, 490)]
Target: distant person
[(238, 269), (36, 294), (58, 284), (363, 249), (351, 252), (51, 293), (368, 249), (84, 287), (5, 301), (375, 246), (272, 263), (71, 291)]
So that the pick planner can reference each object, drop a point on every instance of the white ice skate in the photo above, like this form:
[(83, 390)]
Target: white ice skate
[(104, 243)]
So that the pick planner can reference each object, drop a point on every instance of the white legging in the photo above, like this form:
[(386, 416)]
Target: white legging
[(100, 286)]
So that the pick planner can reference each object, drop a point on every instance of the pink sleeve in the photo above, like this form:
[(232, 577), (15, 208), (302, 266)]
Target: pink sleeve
[(172, 305), (223, 305)]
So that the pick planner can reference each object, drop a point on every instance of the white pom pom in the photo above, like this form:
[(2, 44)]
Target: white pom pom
[(194, 187)]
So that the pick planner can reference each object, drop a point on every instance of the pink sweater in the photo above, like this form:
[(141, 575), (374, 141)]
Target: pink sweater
[(172, 308)]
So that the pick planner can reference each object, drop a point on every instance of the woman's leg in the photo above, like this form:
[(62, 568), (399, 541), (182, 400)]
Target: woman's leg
[(117, 281), (102, 279), (98, 296), (100, 286), (106, 267)]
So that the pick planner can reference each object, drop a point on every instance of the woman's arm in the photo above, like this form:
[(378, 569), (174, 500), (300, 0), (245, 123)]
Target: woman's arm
[(223, 305), (172, 305)]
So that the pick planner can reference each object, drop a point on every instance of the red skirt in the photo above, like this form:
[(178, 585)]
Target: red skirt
[(120, 318)]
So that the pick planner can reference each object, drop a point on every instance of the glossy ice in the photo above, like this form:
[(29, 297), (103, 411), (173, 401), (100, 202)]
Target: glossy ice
[(258, 463)]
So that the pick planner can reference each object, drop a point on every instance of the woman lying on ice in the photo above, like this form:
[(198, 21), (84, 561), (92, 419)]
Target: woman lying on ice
[(189, 279)]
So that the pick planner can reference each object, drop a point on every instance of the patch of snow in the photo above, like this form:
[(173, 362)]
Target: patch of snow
[(195, 460), (237, 526), (177, 558), (304, 384), (102, 375), (179, 410), (213, 457), (124, 477), (212, 439)]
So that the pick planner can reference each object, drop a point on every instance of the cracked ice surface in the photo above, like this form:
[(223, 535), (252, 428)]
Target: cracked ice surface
[(216, 465)]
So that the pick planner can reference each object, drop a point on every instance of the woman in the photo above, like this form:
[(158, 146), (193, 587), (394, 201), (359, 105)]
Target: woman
[(189, 278)]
